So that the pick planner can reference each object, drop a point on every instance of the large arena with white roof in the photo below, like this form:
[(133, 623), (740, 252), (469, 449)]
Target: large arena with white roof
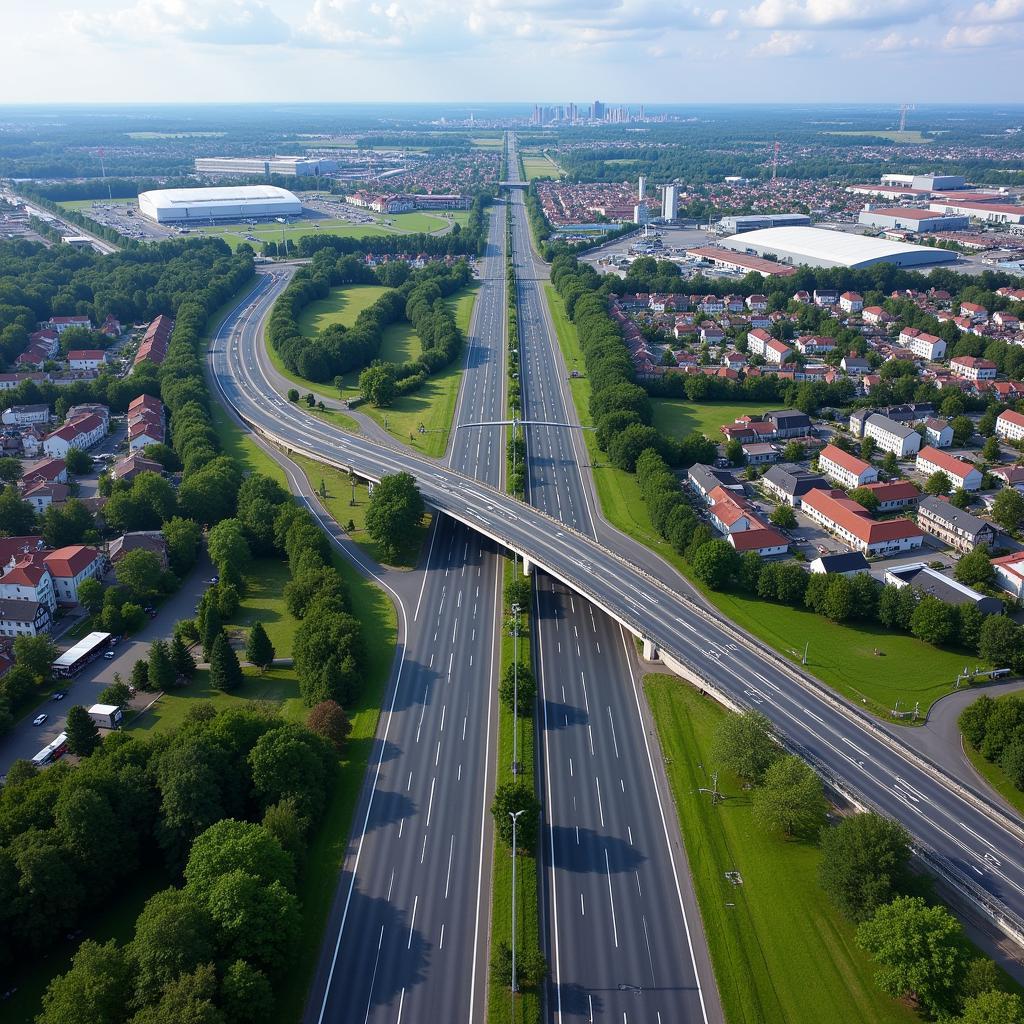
[(820, 247), (198, 205)]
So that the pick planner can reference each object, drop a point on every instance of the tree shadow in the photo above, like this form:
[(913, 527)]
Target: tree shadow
[(583, 852), (557, 715), (575, 1000), (389, 806)]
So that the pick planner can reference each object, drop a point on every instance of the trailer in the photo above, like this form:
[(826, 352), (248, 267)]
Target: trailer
[(106, 716)]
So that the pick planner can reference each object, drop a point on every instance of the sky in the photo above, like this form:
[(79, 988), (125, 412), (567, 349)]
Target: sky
[(654, 51)]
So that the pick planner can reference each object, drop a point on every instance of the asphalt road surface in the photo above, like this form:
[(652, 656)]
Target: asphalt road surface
[(974, 841)]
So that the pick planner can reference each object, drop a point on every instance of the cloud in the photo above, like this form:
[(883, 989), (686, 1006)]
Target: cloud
[(825, 14), (997, 10), (974, 37), (783, 44), (214, 22)]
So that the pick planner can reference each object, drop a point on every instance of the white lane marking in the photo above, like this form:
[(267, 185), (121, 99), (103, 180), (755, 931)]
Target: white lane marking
[(611, 898), (600, 808), (412, 923), (611, 722), (373, 977), (448, 877), (430, 805)]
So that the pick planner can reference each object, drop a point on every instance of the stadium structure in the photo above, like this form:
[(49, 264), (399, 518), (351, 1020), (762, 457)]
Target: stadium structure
[(819, 247), (203, 205)]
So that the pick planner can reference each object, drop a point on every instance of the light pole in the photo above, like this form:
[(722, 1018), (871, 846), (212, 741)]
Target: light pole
[(514, 815), (515, 689)]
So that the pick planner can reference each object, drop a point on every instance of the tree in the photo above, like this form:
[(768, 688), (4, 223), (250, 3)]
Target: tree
[(867, 448), (745, 744), (377, 383), (784, 517), (225, 672), (790, 798), (394, 510), (188, 999), (715, 563), (70, 523), (963, 431), (258, 648), (83, 736), (211, 624), (229, 550), (90, 595), (890, 463), (183, 538), (1008, 509), (17, 517), (36, 654), (94, 989), (933, 621), (938, 483), (866, 497), (10, 469), (181, 658), (328, 719), (975, 568), (77, 461), (162, 675), (523, 681), (510, 797), (863, 864), (960, 498), (1000, 640), (246, 994), (734, 451), (993, 1007), (118, 694), (990, 450), (290, 762), (140, 571), (920, 951), (230, 845), (293, 395), (794, 452)]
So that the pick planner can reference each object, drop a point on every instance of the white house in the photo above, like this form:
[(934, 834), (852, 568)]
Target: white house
[(1010, 572), (81, 433), (70, 566), (851, 302), (938, 433), (962, 474), (25, 415), (61, 323), (923, 345), (973, 368), (846, 469), (757, 341), (29, 580), (1010, 426), (23, 618), (86, 358), (853, 525), (777, 352), (891, 436)]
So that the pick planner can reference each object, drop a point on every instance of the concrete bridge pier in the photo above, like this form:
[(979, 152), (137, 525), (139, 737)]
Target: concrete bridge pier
[(650, 651), (527, 566)]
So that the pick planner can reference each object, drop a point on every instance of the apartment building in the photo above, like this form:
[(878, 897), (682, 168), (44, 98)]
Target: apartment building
[(938, 433), (758, 341), (852, 524), (922, 344), (891, 436), (789, 483), (973, 368), (845, 469), (960, 530), (1010, 426), (1010, 573), (961, 474)]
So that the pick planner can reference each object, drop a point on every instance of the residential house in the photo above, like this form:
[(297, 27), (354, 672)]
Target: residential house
[(758, 341), (61, 323), (810, 345), (42, 495), (759, 453), (89, 409), (826, 297), (974, 311), (1009, 425), (845, 563), (876, 315), (1010, 573), (894, 495), (962, 474), (71, 565), (938, 433), (851, 302), (789, 422), (777, 352), (23, 618), (846, 469), (86, 358), (855, 365), (852, 523), (25, 415), (973, 368), (138, 540), (953, 526), (153, 347), (891, 436), (1009, 476), (50, 471), (764, 540), (788, 482), (129, 468), (80, 433), (28, 579), (923, 345), (757, 303)]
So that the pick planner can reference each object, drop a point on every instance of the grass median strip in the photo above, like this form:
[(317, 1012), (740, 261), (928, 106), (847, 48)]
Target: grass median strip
[(502, 1006), (780, 950), (842, 656)]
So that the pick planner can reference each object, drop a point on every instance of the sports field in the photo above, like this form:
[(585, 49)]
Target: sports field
[(893, 136)]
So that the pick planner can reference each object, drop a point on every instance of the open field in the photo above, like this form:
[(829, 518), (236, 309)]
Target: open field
[(536, 165), (175, 135), (780, 950), (842, 656), (677, 417), (526, 1008), (892, 136), (341, 306)]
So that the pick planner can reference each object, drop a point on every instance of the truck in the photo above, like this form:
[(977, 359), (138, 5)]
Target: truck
[(106, 716)]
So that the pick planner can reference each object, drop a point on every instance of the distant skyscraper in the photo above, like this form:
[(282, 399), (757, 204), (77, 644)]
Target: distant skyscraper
[(670, 203), (641, 188), (640, 213), (597, 110)]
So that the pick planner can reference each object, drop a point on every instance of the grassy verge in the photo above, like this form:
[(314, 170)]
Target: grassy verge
[(337, 496), (781, 952), (842, 656), (995, 777), (525, 1008)]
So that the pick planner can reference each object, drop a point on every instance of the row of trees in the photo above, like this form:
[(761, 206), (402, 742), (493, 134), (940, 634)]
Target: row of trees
[(995, 729), (920, 949)]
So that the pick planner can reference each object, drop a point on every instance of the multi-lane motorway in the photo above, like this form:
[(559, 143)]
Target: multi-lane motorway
[(977, 843), (620, 918)]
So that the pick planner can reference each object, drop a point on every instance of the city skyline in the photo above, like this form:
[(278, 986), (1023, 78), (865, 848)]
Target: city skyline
[(502, 50)]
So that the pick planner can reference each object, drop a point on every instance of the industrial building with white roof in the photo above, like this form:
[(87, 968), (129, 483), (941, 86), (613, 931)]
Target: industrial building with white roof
[(820, 247), (229, 203)]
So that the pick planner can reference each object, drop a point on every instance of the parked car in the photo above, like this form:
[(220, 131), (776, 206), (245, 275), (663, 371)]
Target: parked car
[(39, 719), (60, 695), (109, 655)]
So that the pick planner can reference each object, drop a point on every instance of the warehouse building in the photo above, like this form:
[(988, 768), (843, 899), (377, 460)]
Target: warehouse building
[(991, 213), (905, 219), (819, 247), (241, 202), (289, 166), (756, 221)]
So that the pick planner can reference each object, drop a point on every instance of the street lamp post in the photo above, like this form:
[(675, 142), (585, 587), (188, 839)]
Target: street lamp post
[(514, 815), (515, 689)]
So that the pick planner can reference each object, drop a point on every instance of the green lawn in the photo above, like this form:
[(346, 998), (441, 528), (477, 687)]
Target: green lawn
[(892, 136), (527, 1006), (842, 656), (782, 954), (337, 501), (677, 417), (539, 166), (341, 306)]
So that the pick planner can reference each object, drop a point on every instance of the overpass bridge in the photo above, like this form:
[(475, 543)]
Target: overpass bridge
[(954, 825), (521, 185)]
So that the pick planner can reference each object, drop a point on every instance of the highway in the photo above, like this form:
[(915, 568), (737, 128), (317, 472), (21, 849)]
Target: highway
[(408, 933), (976, 843), (619, 909)]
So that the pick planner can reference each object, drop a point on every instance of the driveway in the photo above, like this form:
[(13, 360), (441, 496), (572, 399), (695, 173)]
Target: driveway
[(24, 740)]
